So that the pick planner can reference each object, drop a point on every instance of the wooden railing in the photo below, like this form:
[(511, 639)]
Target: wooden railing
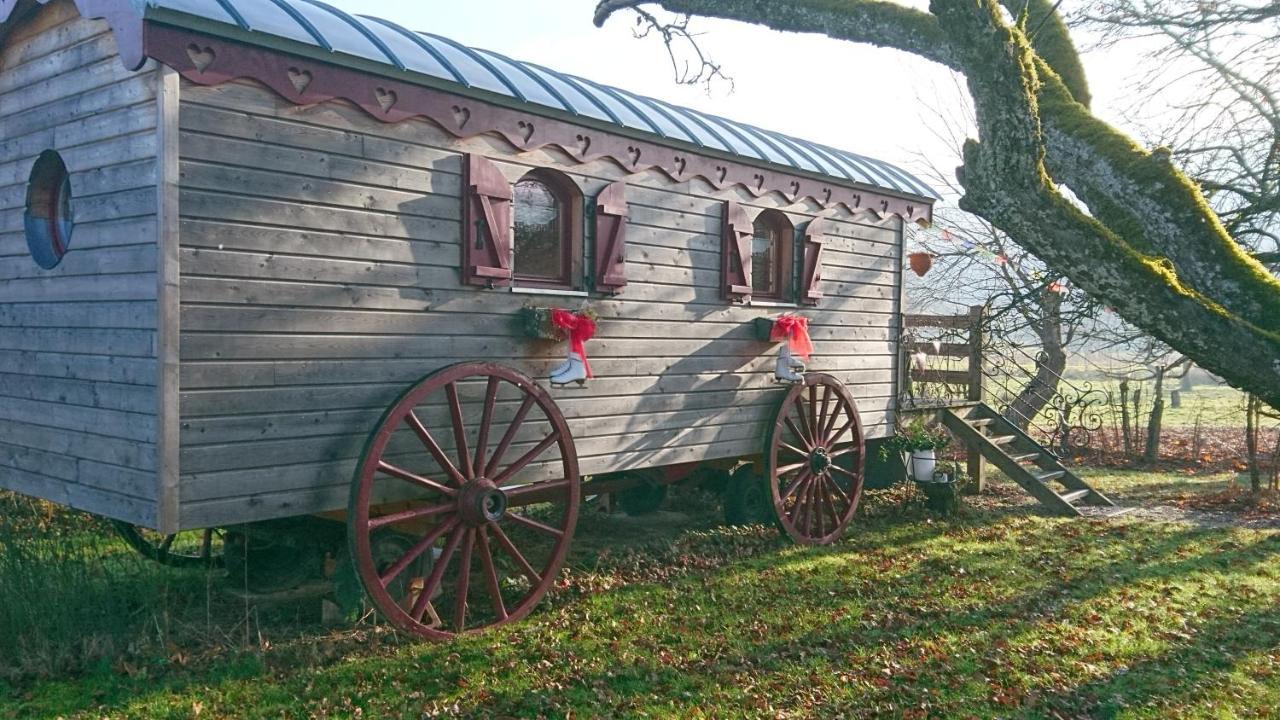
[(957, 386)]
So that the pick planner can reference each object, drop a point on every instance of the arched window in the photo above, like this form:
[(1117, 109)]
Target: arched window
[(547, 238), (771, 256), (48, 221)]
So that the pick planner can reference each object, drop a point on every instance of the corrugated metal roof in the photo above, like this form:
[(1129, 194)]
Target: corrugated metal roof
[(319, 24)]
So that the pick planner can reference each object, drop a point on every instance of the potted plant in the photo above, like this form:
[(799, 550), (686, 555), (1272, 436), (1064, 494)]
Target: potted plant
[(942, 491), (917, 443)]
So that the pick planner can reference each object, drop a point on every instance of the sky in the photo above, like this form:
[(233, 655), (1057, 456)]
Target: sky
[(873, 101)]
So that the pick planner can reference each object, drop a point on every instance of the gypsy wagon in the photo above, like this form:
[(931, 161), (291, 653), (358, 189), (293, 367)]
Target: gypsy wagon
[(268, 269)]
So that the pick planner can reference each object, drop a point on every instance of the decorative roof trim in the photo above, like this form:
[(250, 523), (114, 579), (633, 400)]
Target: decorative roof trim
[(209, 60)]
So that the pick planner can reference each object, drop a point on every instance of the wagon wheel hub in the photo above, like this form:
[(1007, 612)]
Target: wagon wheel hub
[(819, 461), (480, 502)]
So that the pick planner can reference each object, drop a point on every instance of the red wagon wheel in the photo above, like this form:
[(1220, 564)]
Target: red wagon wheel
[(449, 532), (815, 460)]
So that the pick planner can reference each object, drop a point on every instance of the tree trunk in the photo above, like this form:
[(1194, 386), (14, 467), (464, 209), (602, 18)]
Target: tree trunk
[(1124, 418), (1152, 450), (1251, 418), (1042, 387)]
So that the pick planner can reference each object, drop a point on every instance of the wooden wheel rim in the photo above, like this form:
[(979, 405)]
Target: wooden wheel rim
[(474, 532), (815, 439)]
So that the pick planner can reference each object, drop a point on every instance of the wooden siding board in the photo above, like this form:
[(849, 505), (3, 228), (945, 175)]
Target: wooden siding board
[(77, 343)]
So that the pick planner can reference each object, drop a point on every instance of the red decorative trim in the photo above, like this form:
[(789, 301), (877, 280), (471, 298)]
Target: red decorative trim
[(123, 17), (208, 60)]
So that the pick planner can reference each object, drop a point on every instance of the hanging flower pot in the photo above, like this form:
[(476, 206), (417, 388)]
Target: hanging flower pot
[(920, 262)]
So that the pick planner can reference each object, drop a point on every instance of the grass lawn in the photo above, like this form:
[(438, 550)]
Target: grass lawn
[(998, 613)]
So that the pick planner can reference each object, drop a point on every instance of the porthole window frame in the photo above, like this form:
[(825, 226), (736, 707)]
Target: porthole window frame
[(49, 213)]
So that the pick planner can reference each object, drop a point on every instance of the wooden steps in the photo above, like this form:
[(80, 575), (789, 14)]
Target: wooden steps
[(1010, 449)]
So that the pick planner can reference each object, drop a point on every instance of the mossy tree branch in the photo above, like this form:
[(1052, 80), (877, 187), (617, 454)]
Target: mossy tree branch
[(1153, 248)]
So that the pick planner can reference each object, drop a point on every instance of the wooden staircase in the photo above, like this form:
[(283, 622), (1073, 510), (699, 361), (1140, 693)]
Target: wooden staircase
[(1029, 463)]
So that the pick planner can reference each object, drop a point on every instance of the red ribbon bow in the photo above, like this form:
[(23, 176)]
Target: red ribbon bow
[(795, 330), (580, 328)]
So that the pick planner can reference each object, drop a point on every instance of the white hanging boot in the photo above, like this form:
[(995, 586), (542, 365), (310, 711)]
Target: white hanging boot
[(788, 369), (564, 366), (574, 370)]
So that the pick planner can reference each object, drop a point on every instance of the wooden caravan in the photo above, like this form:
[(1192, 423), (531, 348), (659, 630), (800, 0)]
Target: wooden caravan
[(263, 261)]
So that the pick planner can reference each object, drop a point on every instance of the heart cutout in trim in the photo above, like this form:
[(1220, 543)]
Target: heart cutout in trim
[(201, 57), (461, 116), (386, 98), (526, 130), (300, 79)]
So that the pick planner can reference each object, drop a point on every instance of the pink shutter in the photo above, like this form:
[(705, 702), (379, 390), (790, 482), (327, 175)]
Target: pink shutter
[(811, 272), (611, 238), (486, 224), (735, 252)]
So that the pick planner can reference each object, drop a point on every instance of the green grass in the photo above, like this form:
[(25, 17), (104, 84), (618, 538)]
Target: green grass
[(997, 613), (1139, 487)]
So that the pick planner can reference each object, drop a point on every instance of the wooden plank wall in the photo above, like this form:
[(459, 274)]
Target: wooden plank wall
[(77, 359), (320, 278)]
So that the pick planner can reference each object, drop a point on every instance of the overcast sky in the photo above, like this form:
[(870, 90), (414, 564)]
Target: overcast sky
[(853, 97)]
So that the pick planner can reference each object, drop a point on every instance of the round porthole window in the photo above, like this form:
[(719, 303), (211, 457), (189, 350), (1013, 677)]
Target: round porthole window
[(48, 218)]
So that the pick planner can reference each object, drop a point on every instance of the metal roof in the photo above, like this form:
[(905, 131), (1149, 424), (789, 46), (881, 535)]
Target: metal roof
[(319, 24)]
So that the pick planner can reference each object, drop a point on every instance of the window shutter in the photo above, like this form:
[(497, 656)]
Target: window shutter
[(811, 271), (611, 238), (735, 252), (486, 224)]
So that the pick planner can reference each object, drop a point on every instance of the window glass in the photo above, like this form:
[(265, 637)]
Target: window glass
[(539, 231), (48, 221), (766, 247)]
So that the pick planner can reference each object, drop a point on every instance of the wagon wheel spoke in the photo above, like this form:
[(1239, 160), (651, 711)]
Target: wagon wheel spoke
[(396, 471), (793, 466), (535, 525), (537, 492), (846, 450), (510, 547), (459, 429), (486, 420), (410, 514), (525, 459), (413, 553), (510, 435), (821, 423), (830, 490), (841, 432), (808, 435), (830, 424), (792, 448), (491, 575), (803, 478), (802, 437), (819, 495), (437, 572), (464, 582), (434, 448), (814, 428), (836, 486)]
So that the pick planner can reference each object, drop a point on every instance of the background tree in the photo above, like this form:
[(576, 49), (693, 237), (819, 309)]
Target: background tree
[(1145, 241), (1225, 134)]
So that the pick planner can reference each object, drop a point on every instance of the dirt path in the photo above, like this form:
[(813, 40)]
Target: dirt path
[(1169, 513)]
